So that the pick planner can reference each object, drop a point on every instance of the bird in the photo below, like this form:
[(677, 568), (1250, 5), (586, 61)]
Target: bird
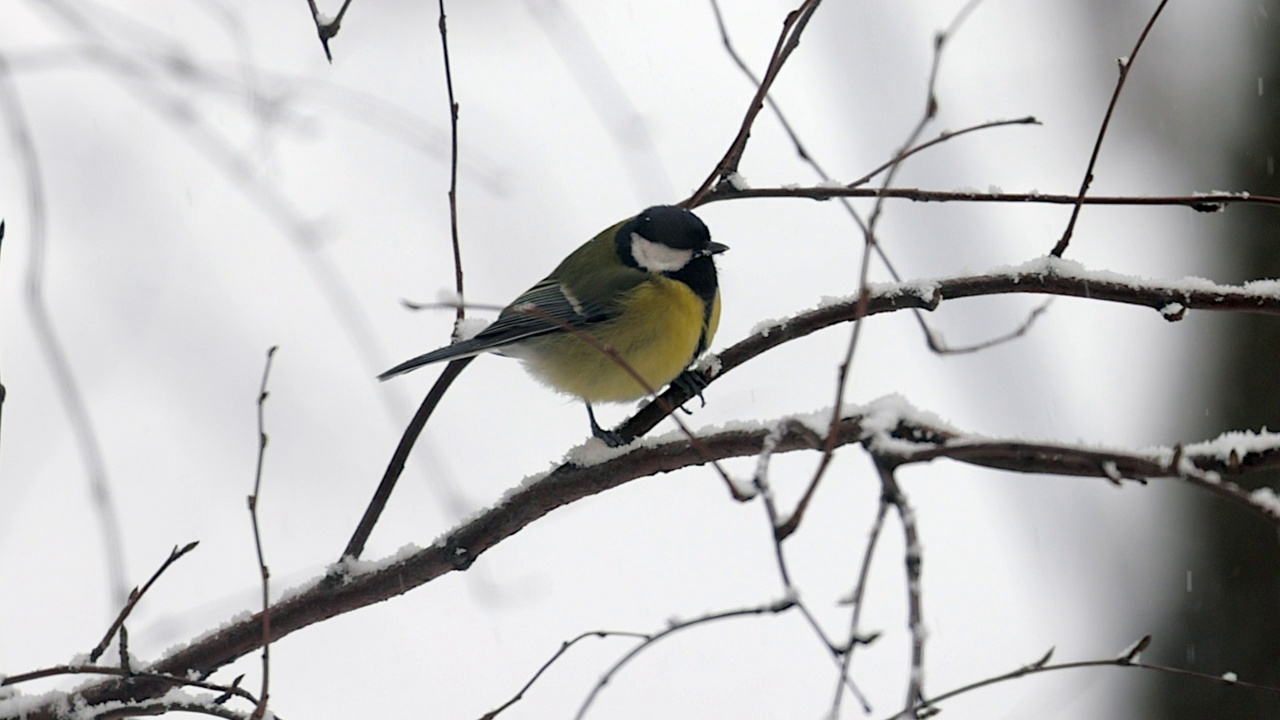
[(644, 289)]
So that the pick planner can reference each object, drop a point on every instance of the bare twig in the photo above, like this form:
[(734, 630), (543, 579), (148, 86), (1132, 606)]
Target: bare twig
[(164, 707), (564, 647), (453, 169), (56, 360), (929, 112), (355, 546), (326, 29), (149, 83), (788, 40), (1126, 64), (855, 599), (123, 647), (931, 337), (1043, 666), (169, 680), (793, 27), (761, 481), (938, 345), (1208, 202), (945, 136), (135, 595), (799, 145), (725, 40), (913, 556), (773, 608), (260, 710)]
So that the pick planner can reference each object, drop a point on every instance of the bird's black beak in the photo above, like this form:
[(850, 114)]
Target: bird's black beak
[(715, 248)]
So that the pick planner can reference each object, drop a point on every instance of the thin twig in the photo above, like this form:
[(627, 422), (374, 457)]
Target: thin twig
[(1207, 202), (260, 710), (763, 489), (564, 647), (46, 338), (1042, 666), (453, 170), (773, 608), (913, 556), (164, 707), (788, 41), (147, 82), (845, 368), (123, 647), (169, 680), (931, 337), (355, 546), (1126, 64), (135, 596), (737, 59), (942, 137), (327, 29), (937, 345), (855, 599)]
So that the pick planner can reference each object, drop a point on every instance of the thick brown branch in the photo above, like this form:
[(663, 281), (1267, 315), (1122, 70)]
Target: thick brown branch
[(1200, 202), (349, 587), (1056, 277), (909, 440)]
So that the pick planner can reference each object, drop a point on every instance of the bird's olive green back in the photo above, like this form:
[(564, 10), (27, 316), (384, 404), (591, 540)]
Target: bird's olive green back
[(595, 275)]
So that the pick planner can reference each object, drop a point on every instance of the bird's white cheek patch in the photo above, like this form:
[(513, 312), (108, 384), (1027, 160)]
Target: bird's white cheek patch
[(656, 257)]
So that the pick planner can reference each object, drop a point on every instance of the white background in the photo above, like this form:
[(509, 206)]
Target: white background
[(213, 187)]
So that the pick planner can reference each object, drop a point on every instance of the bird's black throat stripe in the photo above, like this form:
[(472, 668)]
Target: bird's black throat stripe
[(700, 276)]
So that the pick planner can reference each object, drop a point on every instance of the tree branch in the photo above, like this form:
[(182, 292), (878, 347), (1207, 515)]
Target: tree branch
[(890, 430)]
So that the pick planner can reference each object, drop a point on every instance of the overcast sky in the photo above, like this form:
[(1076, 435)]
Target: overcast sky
[(208, 186)]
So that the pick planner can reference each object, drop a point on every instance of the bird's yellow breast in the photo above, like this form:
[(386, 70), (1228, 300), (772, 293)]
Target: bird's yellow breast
[(657, 335)]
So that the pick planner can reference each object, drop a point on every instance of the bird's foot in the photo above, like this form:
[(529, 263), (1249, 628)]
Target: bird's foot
[(691, 383), (610, 437)]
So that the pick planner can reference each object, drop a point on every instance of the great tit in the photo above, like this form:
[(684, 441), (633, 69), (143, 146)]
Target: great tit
[(645, 288)]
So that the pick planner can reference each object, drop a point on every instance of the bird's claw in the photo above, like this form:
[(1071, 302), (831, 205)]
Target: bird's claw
[(612, 438), (691, 383)]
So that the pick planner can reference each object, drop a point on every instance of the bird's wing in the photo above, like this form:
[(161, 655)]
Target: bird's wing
[(545, 308)]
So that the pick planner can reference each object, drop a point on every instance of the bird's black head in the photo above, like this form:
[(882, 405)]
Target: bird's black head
[(665, 238)]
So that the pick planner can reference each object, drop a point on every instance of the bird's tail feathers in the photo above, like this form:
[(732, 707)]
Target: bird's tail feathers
[(463, 349)]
